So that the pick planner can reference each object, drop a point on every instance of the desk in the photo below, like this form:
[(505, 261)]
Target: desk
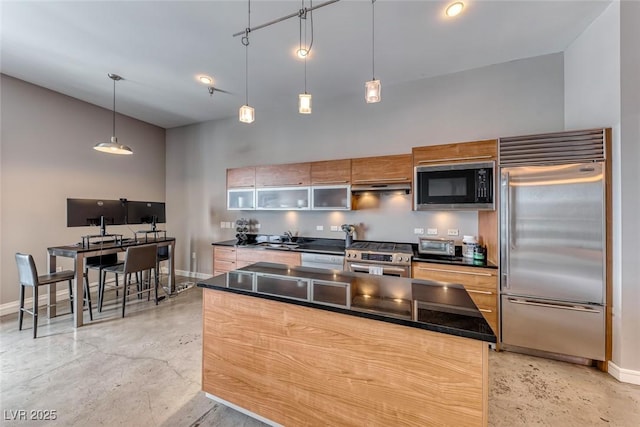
[(79, 253)]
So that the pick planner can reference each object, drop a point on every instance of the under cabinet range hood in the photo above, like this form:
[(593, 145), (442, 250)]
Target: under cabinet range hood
[(382, 187)]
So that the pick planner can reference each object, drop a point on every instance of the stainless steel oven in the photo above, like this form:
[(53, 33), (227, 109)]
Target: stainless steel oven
[(384, 259)]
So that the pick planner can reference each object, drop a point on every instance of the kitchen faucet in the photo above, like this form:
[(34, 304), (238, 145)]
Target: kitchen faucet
[(289, 236)]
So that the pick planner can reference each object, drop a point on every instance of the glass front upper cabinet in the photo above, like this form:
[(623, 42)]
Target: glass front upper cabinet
[(241, 199), (334, 198), (283, 198)]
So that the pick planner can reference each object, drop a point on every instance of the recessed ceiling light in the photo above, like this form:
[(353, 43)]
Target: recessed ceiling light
[(454, 9), (205, 80)]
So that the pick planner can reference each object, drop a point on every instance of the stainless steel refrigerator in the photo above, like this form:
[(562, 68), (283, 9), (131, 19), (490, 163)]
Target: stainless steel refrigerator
[(552, 235)]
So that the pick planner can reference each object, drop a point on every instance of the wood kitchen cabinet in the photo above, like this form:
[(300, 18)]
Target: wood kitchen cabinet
[(224, 259), (480, 283), (463, 152), (382, 169), (229, 258), (248, 256), (331, 172), (283, 175), (241, 177)]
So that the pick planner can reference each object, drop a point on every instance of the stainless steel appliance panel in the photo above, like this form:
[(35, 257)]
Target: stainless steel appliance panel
[(570, 329), (331, 262), (552, 232), (379, 269)]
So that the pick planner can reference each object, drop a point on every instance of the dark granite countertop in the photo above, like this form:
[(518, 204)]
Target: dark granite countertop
[(336, 247), (306, 244), (430, 305)]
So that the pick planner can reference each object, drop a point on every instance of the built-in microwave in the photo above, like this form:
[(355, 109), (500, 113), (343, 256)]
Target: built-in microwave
[(467, 186)]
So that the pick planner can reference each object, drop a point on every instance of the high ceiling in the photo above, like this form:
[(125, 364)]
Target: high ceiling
[(160, 47)]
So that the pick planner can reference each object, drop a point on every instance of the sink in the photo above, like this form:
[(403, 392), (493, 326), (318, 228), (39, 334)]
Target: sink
[(287, 246)]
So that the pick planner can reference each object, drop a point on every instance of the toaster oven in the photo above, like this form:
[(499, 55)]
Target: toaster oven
[(436, 246)]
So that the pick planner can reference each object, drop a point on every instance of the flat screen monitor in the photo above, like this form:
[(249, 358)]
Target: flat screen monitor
[(145, 212), (86, 212)]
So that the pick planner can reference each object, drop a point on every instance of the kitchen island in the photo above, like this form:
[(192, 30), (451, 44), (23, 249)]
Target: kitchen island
[(304, 346)]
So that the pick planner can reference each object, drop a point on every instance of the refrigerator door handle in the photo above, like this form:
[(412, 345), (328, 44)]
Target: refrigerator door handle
[(552, 305), (506, 242)]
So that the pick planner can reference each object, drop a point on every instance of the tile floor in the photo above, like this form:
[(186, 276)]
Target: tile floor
[(144, 370)]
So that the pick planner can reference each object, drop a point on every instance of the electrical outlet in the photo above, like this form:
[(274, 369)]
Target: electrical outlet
[(223, 224), (319, 227), (193, 255), (418, 231), (432, 231), (335, 228), (58, 268), (257, 226), (453, 232)]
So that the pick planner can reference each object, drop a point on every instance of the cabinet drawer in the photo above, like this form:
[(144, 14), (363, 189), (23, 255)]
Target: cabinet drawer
[(251, 256), (223, 265), (481, 299), (226, 253), (471, 277)]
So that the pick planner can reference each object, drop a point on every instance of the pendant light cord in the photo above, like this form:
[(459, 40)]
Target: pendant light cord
[(373, 40), (114, 108), (303, 15), (245, 42)]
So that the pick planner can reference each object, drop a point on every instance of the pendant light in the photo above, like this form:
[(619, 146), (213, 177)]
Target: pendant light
[(247, 114), (304, 99), (113, 147), (372, 87)]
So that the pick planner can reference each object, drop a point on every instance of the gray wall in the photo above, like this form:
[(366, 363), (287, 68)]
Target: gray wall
[(47, 156), (602, 89), (518, 97)]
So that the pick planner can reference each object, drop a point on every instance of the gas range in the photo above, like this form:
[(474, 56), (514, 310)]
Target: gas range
[(380, 253)]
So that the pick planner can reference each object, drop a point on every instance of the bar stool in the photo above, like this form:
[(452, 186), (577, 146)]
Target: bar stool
[(138, 259), (28, 276), (99, 262)]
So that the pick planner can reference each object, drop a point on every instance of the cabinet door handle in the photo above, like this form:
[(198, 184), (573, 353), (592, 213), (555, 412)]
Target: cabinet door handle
[(382, 180), (485, 310), (329, 182), (453, 159), (473, 291), (224, 260), (442, 270)]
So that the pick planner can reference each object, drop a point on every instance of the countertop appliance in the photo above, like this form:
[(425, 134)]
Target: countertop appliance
[(467, 186), (331, 262), (552, 243), (436, 246), (381, 258)]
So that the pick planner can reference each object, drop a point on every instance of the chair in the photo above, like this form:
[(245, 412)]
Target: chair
[(28, 276), (138, 259), (163, 255), (99, 262)]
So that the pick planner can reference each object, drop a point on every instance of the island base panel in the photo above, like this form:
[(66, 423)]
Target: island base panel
[(297, 365)]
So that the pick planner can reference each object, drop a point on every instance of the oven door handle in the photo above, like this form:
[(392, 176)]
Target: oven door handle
[(384, 268)]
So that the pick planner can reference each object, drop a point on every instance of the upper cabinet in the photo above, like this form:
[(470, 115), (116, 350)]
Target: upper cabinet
[(383, 169), (283, 175), (465, 152), (241, 177), (331, 172)]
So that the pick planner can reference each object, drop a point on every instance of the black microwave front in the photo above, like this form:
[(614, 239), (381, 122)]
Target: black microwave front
[(462, 186)]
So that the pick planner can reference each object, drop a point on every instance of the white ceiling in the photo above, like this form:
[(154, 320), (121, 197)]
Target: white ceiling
[(159, 47)]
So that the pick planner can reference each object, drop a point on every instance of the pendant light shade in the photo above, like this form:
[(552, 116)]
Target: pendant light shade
[(372, 91), (304, 103), (113, 147), (246, 114)]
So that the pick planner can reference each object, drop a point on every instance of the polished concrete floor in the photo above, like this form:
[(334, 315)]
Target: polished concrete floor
[(144, 370)]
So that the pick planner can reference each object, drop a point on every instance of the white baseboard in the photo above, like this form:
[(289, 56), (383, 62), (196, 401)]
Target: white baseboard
[(624, 375), (193, 274), (242, 410)]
